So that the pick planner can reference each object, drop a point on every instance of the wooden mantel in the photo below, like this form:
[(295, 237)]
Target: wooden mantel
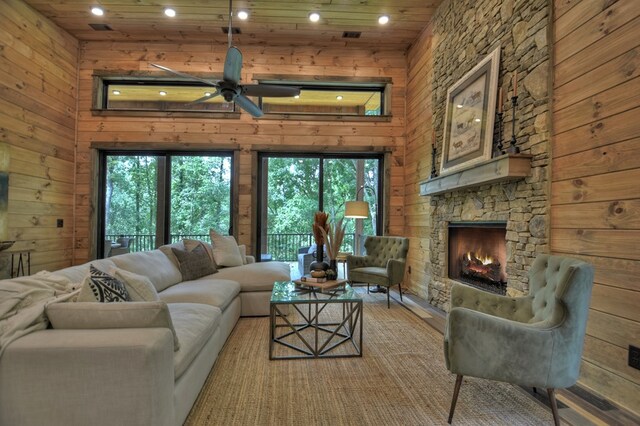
[(499, 169)]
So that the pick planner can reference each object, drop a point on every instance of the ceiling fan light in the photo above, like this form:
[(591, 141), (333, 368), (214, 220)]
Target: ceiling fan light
[(116, 92), (243, 15), (297, 96), (170, 12), (207, 93), (97, 11), (339, 97), (162, 93), (383, 20), (314, 16)]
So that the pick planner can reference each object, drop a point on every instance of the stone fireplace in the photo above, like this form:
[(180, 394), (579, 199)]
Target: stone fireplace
[(477, 254)]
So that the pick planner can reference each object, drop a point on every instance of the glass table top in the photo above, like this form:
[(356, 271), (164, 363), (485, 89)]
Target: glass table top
[(289, 292)]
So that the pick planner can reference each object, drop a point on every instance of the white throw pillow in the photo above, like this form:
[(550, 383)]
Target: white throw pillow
[(243, 253), (225, 250), (139, 287)]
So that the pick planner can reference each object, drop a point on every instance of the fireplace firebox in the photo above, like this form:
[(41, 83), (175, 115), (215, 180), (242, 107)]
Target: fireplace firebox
[(478, 255)]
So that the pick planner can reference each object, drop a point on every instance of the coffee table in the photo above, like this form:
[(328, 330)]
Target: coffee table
[(307, 322)]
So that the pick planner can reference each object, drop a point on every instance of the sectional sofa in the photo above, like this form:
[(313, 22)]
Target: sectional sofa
[(132, 376)]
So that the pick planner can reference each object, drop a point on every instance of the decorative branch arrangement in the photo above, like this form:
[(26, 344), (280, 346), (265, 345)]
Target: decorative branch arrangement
[(320, 227), (333, 237)]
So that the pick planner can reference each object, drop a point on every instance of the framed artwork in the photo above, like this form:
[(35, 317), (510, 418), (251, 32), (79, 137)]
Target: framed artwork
[(470, 115)]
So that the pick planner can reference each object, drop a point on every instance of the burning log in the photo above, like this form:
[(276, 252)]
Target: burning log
[(484, 268)]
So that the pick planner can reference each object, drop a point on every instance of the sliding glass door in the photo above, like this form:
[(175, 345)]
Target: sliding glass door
[(153, 198), (293, 188)]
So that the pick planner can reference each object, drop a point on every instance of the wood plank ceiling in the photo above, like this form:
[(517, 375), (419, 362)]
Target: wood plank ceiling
[(270, 22)]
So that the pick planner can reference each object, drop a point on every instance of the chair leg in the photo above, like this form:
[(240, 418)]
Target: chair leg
[(388, 304), (454, 399), (554, 406), (367, 288), (400, 290)]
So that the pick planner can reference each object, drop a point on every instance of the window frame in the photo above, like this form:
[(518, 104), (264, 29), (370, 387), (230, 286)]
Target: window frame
[(102, 80), (382, 84), (163, 181)]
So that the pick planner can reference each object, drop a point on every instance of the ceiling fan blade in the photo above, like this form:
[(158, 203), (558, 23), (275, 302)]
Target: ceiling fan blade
[(191, 77), (248, 105), (205, 98), (232, 65), (270, 90)]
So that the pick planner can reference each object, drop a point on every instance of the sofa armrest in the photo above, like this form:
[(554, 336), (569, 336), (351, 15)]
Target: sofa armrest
[(97, 377), (395, 270), (250, 259)]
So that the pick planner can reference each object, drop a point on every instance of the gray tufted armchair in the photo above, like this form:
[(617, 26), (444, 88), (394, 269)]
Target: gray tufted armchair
[(383, 265), (535, 340)]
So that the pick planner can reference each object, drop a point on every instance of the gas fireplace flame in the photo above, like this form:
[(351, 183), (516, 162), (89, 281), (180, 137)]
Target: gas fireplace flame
[(485, 260)]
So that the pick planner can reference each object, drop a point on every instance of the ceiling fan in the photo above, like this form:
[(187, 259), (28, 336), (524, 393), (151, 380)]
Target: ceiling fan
[(230, 88)]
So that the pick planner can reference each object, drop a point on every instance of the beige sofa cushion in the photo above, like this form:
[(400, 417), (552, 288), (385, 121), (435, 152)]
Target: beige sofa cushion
[(209, 290), (194, 323), (153, 265), (258, 276), (93, 315)]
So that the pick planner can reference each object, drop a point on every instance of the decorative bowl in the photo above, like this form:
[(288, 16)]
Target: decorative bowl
[(5, 245)]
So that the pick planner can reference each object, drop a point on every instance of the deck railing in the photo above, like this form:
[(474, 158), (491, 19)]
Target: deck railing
[(283, 247)]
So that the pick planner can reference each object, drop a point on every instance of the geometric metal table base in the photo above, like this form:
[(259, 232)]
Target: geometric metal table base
[(316, 324)]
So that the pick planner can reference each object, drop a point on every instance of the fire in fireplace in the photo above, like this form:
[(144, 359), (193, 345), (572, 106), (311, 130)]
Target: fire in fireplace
[(477, 254)]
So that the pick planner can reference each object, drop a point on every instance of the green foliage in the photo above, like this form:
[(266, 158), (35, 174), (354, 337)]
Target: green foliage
[(200, 194)]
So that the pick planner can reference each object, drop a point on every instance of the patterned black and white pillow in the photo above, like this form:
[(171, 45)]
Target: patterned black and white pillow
[(106, 288)]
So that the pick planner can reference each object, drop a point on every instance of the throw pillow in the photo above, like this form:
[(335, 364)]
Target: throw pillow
[(243, 253), (166, 249), (99, 286), (139, 287), (194, 264), (93, 316), (225, 249), (189, 245)]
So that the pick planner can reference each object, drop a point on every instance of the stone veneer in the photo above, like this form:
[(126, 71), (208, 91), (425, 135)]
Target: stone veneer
[(464, 32)]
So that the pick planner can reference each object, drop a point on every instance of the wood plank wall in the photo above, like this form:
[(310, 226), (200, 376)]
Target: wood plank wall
[(595, 179), (38, 92), (418, 161), (246, 133)]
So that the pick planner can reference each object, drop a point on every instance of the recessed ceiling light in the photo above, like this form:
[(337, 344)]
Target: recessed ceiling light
[(477, 120), (383, 20), (297, 96), (459, 105), (97, 11), (243, 15), (116, 92), (162, 93), (170, 12), (339, 97), (314, 17)]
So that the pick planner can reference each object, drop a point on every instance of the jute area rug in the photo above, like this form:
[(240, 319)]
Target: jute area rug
[(400, 380)]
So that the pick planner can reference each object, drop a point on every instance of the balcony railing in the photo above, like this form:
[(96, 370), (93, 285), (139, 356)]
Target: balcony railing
[(282, 247)]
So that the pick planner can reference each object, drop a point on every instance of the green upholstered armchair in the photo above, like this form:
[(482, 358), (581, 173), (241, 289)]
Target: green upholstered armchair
[(383, 264), (533, 341)]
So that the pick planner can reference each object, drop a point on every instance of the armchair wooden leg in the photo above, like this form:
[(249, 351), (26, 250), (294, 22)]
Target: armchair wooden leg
[(388, 303), (400, 290), (367, 288), (454, 399), (554, 406)]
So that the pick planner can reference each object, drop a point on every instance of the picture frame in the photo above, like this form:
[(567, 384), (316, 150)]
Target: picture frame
[(470, 116)]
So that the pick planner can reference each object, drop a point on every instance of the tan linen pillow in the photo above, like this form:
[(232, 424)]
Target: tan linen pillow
[(94, 316), (166, 249), (98, 286), (140, 288), (225, 250)]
